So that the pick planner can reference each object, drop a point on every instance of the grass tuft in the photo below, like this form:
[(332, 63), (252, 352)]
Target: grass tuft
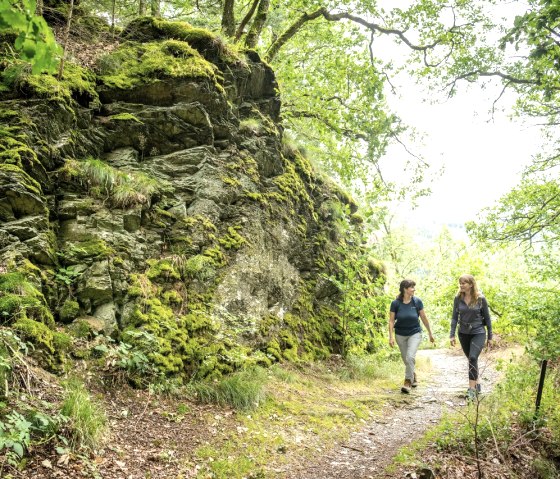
[(87, 421), (243, 390)]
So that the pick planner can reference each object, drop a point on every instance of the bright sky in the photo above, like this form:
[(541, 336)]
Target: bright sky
[(482, 156)]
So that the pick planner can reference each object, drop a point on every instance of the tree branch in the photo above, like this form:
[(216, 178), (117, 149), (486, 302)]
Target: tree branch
[(246, 20), (335, 17)]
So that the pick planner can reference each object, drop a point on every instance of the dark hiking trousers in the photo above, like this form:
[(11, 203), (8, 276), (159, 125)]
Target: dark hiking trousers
[(472, 345)]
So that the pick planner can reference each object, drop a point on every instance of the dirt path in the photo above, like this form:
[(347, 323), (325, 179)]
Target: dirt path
[(154, 436), (369, 451)]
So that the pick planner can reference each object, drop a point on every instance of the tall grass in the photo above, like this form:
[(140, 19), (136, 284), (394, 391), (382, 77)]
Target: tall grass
[(123, 188), (369, 367), (243, 390), (87, 421)]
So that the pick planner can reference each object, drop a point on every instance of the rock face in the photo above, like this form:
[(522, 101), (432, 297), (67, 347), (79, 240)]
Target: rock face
[(166, 201)]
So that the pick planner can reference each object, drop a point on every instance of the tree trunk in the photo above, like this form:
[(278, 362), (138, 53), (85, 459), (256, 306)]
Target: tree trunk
[(246, 20), (113, 8), (228, 18), (66, 36), (39, 9), (256, 28), (142, 8), (156, 8)]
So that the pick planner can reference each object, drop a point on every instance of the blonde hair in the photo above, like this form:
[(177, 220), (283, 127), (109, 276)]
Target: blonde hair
[(475, 294)]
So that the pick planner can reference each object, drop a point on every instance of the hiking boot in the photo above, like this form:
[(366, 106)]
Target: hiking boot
[(478, 388), (471, 394), (406, 386), (414, 381)]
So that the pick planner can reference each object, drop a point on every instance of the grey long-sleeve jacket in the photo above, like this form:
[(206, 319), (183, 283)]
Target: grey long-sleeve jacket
[(472, 320)]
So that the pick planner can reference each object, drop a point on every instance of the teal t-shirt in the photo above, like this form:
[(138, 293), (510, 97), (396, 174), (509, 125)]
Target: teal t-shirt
[(407, 320)]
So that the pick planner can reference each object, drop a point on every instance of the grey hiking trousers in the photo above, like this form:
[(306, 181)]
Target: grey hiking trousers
[(408, 346)]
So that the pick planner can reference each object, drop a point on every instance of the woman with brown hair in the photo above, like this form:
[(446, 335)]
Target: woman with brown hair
[(470, 311), (404, 327)]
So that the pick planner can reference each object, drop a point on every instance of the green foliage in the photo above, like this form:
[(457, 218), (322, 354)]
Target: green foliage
[(499, 420), (528, 213), (35, 40), (67, 275), (15, 436), (125, 363), (87, 421), (243, 390)]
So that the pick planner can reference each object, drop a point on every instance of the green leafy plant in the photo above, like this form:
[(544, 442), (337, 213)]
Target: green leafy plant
[(35, 40), (67, 276), (15, 436), (125, 362)]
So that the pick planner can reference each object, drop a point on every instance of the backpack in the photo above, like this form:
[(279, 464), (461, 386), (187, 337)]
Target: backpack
[(414, 303)]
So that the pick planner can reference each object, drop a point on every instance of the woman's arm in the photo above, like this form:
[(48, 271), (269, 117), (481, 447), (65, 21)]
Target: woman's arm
[(486, 315), (454, 320), (392, 328), (427, 325)]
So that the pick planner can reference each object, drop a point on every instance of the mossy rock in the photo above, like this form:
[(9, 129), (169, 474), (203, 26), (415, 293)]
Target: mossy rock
[(133, 65), (48, 346), (77, 84), (19, 298), (69, 311), (208, 44)]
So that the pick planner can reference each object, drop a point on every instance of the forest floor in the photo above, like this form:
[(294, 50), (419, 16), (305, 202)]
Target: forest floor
[(154, 437)]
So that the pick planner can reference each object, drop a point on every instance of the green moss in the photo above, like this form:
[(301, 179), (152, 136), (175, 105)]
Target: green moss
[(44, 340), (15, 172), (245, 164), (19, 298), (37, 333), (216, 255), (77, 84), (172, 298), (80, 329), (61, 342), (207, 43), (202, 221), (162, 270), (200, 266), (125, 117), (94, 248), (69, 310), (140, 286), (233, 240), (133, 65), (292, 185), (231, 182)]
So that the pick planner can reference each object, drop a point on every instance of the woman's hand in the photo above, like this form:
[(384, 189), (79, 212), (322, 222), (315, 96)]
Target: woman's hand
[(391, 342), (489, 344), (432, 339), (452, 342)]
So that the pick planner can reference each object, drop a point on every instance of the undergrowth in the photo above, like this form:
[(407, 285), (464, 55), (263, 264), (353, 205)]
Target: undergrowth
[(498, 435)]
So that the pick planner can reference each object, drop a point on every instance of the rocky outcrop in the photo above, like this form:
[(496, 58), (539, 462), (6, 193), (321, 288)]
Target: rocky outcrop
[(167, 201)]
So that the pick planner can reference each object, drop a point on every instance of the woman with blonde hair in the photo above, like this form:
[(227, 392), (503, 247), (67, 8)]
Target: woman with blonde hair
[(470, 311)]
